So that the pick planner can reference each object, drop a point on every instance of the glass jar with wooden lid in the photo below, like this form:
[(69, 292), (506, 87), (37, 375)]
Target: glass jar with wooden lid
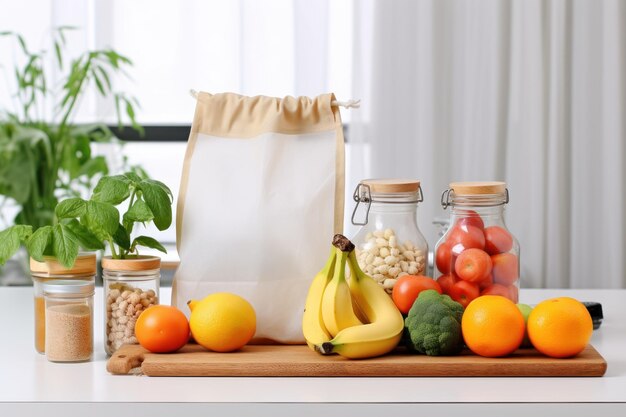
[(69, 320), (50, 269), (477, 255), (389, 244), (130, 287)]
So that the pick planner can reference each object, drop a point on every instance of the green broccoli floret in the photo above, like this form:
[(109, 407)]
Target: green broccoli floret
[(434, 324)]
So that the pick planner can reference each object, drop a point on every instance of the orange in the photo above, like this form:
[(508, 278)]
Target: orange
[(162, 329), (560, 327), (492, 326), (222, 322)]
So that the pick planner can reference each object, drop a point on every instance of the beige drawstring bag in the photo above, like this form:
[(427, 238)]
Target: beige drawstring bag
[(262, 194)]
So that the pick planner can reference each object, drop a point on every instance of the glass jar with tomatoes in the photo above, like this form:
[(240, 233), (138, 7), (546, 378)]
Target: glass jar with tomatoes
[(477, 255), (389, 244)]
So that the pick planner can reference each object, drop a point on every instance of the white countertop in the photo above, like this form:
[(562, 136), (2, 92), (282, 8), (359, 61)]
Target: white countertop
[(27, 378)]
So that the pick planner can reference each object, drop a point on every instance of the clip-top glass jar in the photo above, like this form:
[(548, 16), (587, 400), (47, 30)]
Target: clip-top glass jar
[(390, 243), (51, 270), (69, 320), (477, 255), (130, 287)]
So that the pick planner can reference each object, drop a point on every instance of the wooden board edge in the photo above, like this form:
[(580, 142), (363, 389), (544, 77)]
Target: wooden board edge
[(123, 361), (132, 356)]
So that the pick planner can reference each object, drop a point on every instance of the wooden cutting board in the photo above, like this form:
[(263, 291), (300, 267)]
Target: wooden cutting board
[(281, 360)]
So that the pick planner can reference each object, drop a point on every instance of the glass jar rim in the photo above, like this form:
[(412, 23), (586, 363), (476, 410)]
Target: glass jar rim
[(488, 197), (42, 275), (75, 287), (143, 275)]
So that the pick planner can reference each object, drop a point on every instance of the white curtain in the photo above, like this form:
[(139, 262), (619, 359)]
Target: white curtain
[(532, 92), (527, 91), (271, 47)]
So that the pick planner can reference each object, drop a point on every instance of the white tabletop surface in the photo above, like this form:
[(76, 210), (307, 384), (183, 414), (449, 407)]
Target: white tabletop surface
[(27, 378)]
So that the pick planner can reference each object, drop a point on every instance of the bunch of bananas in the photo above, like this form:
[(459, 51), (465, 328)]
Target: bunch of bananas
[(355, 318)]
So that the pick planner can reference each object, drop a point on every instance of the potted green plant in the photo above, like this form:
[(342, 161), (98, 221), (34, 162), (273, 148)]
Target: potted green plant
[(95, 223), (44, 156), (131, 281)]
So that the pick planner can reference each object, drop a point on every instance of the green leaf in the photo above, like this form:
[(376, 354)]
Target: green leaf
[(57, 51), (121, 237), (99, 84), (130, 111), (111, 189), (17, 176), (64, 245), (38, 242), (164, 187), (10, 240), (159, 202), (85, 238), (22, 43), (104, 76), (23, 231), (147, 242), (139, 212), (72, 207), (94, 166), (101, 219), (133, 177)]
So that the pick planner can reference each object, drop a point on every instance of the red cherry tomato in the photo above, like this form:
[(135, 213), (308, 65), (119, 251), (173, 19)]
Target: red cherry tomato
[(505, 268), (509, 292), (446, 282), (408, 287), (463, 292), (442, 258), (486, 282), (466, 237), (473, 265), (471, 218), (497, 240)]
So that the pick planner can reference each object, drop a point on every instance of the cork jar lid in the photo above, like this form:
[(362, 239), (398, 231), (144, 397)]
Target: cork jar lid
[(392, 185), (84, 265), (140, 263), (478, 187)]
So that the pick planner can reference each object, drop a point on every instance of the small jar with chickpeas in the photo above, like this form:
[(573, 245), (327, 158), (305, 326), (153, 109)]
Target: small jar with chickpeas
[(389, 244), (130, 287)]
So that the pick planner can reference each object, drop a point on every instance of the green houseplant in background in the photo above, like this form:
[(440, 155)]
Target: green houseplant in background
[(44, 156)]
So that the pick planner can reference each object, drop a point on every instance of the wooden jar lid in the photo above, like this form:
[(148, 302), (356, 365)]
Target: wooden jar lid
[(478, 187), (392, 185), (140, 263), (85, 265)]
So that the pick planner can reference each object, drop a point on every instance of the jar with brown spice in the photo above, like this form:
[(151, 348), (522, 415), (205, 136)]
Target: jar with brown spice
[(69, 320), (51, 270)]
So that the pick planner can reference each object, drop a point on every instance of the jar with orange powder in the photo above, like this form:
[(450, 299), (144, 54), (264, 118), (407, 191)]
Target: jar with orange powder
[(50, 270)]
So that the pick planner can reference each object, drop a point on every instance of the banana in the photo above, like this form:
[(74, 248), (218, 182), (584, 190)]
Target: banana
[(337, 311), (386, 324), (313, 327)]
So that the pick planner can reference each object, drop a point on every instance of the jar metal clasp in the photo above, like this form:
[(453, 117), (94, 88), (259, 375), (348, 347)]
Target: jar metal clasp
[(363, 195)]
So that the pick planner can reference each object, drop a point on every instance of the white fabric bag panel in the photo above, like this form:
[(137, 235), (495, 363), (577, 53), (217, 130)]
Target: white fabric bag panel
[(258, 218)]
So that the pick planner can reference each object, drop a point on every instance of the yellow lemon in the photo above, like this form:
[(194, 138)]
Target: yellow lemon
[(222, 322)]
